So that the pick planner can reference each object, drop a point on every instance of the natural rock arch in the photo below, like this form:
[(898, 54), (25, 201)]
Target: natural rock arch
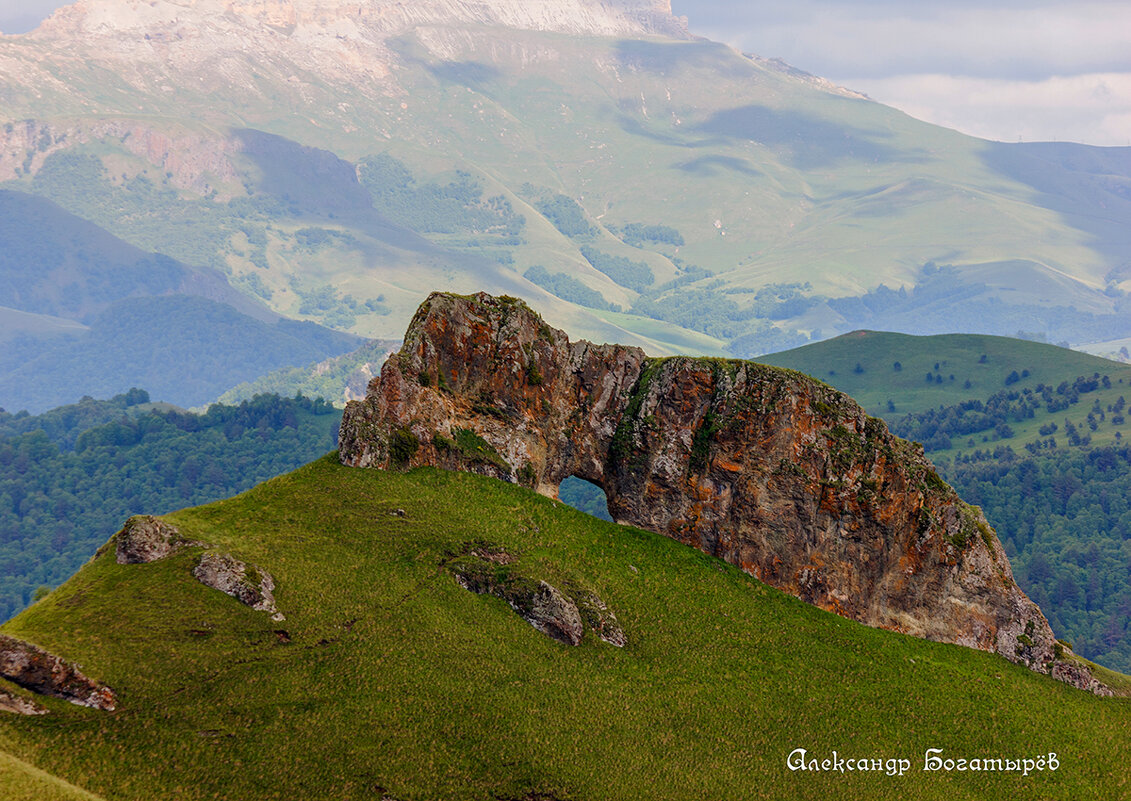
[(763, 467)]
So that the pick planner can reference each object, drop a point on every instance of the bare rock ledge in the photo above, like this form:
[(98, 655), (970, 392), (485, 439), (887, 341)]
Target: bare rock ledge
[(249, 585)]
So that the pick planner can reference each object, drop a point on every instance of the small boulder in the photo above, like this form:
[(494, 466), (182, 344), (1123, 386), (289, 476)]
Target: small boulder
[(250, 586), (1080, 676), (600, 618), (552, 613), (144, 538)]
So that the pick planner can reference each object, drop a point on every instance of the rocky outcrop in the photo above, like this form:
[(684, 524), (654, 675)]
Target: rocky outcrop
[(248, 584), (308, 20), (34, 669), (1078, 675), (17, 705), (766, 468), (145, 538), (488, 570)]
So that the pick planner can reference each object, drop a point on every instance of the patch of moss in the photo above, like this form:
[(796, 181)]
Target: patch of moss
[(822, 408), (972, 524), (786, 467), (477, 449), (533, 374), (621, 449), (935, 483), (403, 445), (701, 442)]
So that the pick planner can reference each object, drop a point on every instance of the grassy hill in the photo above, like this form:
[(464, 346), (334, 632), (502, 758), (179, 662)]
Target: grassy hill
[(920, 373), (388, 679)]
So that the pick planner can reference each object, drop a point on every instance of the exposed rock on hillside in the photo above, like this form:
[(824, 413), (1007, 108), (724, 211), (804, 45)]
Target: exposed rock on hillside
[(10, 702), (249, 585), (763, 467), (31, 667), (145, 538), (562, 615)]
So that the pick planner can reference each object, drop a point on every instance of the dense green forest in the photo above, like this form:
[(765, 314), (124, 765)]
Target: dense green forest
[(566, 287), (431, 207), (1065, 521), (337, 379), (69, 478)]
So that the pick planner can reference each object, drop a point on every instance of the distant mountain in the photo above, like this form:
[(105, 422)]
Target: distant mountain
[(635, 183), (84, 313)]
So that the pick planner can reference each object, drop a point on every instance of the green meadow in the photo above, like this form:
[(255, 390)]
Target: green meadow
[(389, 679)]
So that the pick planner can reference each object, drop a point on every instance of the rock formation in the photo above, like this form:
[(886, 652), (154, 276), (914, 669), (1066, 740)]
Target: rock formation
[(766, 468), (249, 585), (487, 570), (145, 538), (10, 702), (34, 669)]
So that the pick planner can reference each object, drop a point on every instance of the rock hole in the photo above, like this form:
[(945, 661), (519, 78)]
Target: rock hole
[(585, 496)]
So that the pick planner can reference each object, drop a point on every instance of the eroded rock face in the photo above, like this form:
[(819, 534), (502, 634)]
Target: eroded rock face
[(145, 538), (763, 467), (250, 586), (1079, 676), (31, 667)]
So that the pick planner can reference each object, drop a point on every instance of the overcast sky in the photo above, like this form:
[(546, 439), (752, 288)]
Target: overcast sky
[(1001, 69)]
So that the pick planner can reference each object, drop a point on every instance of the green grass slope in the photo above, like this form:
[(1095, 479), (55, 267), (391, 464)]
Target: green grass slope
[(835, 362), (20, 781), (397, 682)]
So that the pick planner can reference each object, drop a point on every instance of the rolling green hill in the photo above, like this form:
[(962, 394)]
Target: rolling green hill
[(875, 367), (85, 313), (388, 679)]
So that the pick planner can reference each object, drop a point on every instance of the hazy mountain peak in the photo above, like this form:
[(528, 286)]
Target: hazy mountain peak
[(351, 19)]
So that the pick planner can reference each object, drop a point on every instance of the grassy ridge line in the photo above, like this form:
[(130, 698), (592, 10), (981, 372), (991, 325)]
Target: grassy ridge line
[(834, 362), (397, 680), (877, 382), (20, 781)]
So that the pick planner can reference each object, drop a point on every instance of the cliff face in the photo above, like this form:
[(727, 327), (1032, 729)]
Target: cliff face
[(763, 467)]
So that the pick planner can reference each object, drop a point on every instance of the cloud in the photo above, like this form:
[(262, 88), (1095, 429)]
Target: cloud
[(1094, 108), (874, 39), (1001, 69), (21, 16)]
